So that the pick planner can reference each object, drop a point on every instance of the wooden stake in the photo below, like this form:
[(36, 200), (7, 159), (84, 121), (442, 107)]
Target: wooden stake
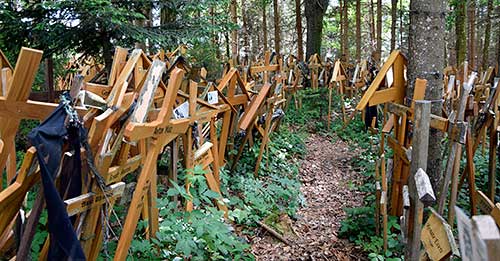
[(419, 161)]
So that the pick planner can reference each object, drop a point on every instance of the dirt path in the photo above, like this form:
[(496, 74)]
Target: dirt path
[(328, 188)]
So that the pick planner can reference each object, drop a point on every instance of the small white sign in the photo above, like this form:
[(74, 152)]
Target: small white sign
[(389, 77), (451, 82), (278, 89), (213, 97), (182, 111), (356, 71)]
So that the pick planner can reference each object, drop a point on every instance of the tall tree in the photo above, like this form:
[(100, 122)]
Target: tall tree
[(498, 51), (244, 27), (371, 17), (487, 35), (471, 16), (215, 37), (277, 36), (379, 30), (342, 31), (394, 18), (358, 30), (95, 24), (460, 37), (298, 28), (315, 10), (234, 32), (264, 23), (345, 34), (426, 42)]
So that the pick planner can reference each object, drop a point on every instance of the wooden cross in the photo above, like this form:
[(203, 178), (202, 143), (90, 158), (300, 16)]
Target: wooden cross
[(249, 117), (16, 89), (339, 76), (202, 113), (101, 129), (314, 66), (162, 131), (232, 91)]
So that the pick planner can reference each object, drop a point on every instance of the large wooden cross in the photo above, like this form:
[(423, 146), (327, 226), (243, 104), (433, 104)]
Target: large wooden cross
[(162, 130)]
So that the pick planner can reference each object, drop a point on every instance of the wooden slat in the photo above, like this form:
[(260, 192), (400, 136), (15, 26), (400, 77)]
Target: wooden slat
[(118, 63), (378, 80), (484, 204), (383, 96), (268, 68), (146, 96), (30, 109), (89, 200), (255, 104)]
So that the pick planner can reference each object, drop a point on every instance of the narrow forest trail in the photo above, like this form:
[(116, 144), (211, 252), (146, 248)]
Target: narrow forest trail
[(328, 186)]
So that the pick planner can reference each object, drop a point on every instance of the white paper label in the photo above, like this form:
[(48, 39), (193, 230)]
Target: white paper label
[(356, 71), (182, 111), (213, 97), (389, 77), (451, 81)]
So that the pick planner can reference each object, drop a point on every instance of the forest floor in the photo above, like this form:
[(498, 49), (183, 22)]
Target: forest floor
[(328, 186)]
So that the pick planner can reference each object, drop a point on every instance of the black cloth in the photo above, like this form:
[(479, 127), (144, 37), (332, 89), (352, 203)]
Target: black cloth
[(49, 139)]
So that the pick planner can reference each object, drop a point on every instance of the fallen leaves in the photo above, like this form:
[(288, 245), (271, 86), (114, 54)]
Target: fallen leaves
[(326, 175)]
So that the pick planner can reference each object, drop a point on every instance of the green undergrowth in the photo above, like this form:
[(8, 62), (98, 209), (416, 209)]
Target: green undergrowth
[(481, 164), (359, 225), (204, 233)]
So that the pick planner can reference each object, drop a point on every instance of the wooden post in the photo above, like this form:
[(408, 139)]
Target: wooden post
[(455, 153), (492, 165), (405, 217), (174, 157), (378, 192), (479, 238), (383, 199), (418, 161), (487, 231)]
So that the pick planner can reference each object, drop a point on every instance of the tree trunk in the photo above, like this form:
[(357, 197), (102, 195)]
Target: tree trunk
[(277, 36), (379, 30), (228, 48), (341, 20), (215, 37), (315, 9), (244, 28), (401, 26), (372, 26), (358, 30), (471, 15), (487, 35), (460, 38), (498, 51), (426, 42), (234, 33), (298, 28), (394, 16), (107, 51), (345, 52), (264, 26), (167, 15)]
